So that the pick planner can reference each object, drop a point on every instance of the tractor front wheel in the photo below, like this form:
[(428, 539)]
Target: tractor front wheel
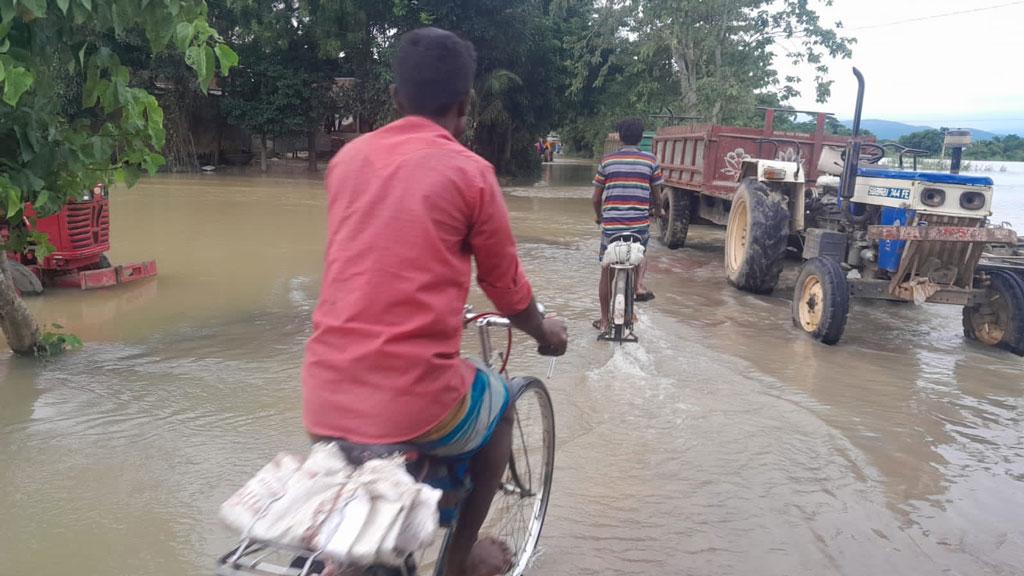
[(999, 319), (821, 300), (25, 281), (674, 222), (755, 238)]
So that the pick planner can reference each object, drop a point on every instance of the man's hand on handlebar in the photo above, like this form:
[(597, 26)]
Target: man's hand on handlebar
[(551, 334), (555, 337)]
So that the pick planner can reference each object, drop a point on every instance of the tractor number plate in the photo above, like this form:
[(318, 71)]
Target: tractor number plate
[(887, 192)]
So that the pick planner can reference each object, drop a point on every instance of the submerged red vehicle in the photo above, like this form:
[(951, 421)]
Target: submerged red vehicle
[(80, 235)]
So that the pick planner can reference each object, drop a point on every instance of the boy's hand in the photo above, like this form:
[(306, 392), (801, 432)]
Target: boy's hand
[(555, 337)]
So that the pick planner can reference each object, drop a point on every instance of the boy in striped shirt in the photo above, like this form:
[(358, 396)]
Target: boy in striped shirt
[(626, 189)]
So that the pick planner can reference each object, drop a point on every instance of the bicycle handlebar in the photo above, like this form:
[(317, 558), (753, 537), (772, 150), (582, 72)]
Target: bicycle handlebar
[(624, 236), (488, 319)]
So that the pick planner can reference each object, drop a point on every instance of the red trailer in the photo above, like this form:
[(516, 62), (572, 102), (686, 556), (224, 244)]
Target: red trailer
[(705, 163), (80, 235)]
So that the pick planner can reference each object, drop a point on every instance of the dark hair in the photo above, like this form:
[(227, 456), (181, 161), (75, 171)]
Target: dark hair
[(434, 70), (631, 131)]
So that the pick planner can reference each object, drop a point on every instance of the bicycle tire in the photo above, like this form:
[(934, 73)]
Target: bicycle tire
[(620, 286), (630, 294), (529, 393)]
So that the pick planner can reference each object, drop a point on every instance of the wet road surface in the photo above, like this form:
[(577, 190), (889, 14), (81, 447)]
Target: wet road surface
[(725, 442)]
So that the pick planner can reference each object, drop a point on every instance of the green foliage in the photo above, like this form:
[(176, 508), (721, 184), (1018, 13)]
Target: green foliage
[(929, 140), (520, 75), (1006, 148), (70, 116), (55, 341), (708, 58)]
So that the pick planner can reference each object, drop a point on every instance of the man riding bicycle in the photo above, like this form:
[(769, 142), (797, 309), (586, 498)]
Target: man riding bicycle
[(408, 207), (626, 190)]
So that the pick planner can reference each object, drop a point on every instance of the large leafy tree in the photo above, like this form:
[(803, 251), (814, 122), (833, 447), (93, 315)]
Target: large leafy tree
[(70, 115), (712, 59), (723, 51), (929, 140)]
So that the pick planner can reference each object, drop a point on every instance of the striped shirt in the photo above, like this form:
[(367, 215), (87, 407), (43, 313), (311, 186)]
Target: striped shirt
[(627, 177)]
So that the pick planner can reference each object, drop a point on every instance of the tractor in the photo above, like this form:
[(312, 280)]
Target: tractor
[(80, 235), (863, 228)]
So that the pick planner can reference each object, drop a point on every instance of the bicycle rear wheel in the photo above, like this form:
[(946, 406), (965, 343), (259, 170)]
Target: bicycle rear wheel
[(517, 513)]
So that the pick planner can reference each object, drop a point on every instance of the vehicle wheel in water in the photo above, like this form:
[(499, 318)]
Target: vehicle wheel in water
[(25, 281), (999, 319), (821, 300), (674, 222), (517, 513), (755, 239)]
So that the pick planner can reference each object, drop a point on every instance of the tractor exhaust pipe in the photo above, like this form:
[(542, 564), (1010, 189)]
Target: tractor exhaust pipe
[(853, 148), (956, 141)]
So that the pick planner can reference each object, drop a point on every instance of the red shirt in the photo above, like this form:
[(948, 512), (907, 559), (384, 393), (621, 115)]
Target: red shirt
[(408, 205)]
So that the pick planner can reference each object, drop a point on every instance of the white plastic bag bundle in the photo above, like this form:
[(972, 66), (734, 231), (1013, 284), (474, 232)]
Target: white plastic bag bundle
[(372, 514), (623, 253)]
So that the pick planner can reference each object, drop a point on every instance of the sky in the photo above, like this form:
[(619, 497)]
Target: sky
[(963, 70)]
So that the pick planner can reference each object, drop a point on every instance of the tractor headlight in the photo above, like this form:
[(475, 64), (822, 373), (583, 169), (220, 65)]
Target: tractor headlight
[(87, 197), (933, 197), (972, 200)]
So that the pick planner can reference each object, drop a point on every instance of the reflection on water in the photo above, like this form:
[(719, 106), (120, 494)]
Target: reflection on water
[(725, 442)]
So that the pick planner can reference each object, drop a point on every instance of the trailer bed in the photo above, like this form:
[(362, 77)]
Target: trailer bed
[(707, 158)]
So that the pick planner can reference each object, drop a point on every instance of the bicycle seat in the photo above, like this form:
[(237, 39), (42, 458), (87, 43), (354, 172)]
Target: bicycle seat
[(359, 454)]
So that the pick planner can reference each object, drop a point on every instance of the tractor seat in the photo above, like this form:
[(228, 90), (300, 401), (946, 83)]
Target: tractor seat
[(930, 177)]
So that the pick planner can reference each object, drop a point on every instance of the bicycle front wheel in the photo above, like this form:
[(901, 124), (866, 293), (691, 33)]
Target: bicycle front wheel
[(517, 513)]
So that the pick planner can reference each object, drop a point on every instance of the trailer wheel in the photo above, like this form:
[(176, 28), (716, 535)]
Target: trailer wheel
[(821, 300), (999, 320), (25, 281), (675, 217), (755, 238)]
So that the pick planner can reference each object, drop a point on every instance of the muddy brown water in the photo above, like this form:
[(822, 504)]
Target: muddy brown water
[(725, 442)]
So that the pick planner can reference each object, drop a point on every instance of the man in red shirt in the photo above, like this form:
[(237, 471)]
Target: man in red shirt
[(408, 208)]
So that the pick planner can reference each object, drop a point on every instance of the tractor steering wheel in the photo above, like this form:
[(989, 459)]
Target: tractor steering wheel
[(871, 153)]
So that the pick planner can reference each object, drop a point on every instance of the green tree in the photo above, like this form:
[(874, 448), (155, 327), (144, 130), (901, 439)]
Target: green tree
[(1006, 148), (713, 59), (70, 115), (929, 140), (722, 50), (520, 72), (266, 97)]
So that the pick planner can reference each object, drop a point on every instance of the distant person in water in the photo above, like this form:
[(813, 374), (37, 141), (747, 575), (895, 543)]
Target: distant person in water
[(626, 188)]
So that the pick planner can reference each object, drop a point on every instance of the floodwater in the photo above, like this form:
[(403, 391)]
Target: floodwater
[(724, 443)]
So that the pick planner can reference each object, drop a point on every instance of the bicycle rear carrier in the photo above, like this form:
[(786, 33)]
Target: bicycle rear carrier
[(255, 558)]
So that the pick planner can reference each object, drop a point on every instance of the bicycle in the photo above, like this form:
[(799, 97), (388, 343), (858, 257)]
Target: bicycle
[(624, 254), (517, 512)]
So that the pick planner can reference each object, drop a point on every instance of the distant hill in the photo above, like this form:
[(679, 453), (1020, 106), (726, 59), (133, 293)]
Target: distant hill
[(889, 130)]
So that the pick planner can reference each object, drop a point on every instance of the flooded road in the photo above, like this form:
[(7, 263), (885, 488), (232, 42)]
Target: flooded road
[(725, 442)]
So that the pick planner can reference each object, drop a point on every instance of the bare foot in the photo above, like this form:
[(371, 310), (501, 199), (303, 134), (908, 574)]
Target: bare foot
[(489, 557)]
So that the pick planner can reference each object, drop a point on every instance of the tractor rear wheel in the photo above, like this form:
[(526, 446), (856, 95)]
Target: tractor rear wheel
[(674, 222), (999, 319), (755, 238), (25, 281), (821, 300)]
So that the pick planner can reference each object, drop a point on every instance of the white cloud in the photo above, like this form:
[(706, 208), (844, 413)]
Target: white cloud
[(963, 69)]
